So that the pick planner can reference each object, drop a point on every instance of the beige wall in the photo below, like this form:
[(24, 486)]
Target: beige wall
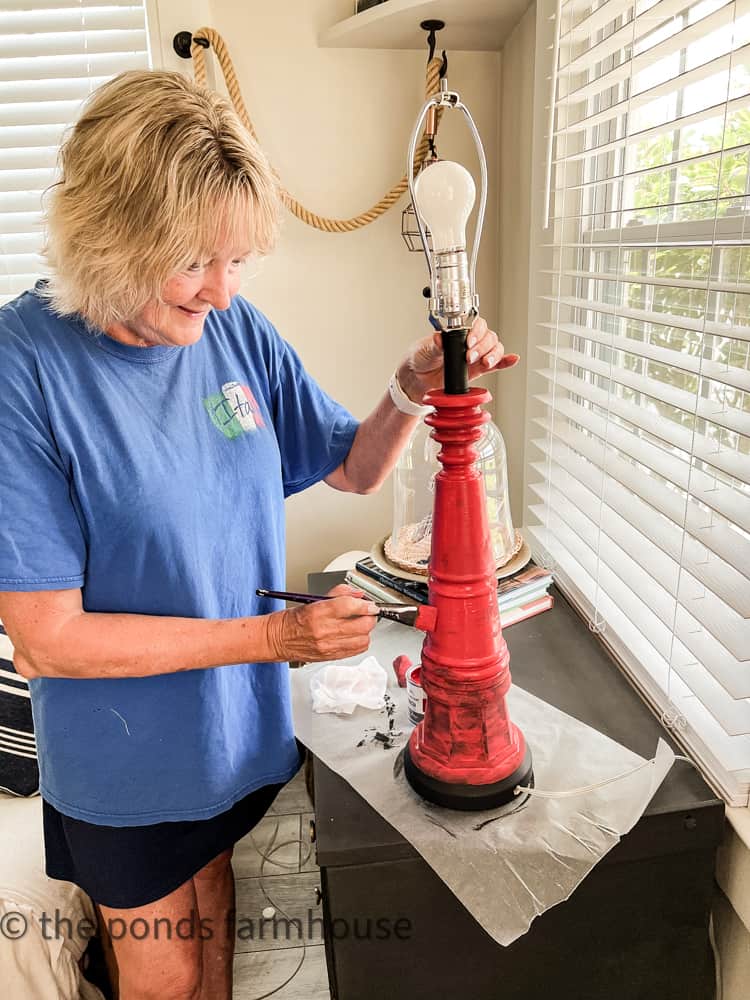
[(336, 123), (732, 907), (733, 944)]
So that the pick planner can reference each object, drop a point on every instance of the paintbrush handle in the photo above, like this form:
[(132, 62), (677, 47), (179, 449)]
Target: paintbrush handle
[(288, 595)]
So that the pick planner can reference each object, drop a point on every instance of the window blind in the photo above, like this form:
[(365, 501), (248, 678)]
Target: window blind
[(638, 478), (53, 54)]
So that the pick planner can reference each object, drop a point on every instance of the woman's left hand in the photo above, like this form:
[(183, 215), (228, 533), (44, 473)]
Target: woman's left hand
[(422, 369)]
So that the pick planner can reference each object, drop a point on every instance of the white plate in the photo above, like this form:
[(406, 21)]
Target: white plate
[(377, 553)]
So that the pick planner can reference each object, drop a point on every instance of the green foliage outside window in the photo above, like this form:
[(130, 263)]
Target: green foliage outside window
[(703, 189)]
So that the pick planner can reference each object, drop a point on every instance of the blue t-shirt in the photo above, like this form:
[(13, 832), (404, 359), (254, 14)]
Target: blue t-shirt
[(154, 479)]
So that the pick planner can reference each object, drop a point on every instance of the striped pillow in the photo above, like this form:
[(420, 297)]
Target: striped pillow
[(19, 771)]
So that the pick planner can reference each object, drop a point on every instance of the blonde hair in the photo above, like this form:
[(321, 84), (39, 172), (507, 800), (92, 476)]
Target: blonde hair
[(156, 173)]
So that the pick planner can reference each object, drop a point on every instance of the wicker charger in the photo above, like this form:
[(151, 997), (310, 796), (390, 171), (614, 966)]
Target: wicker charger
[(411, 551)]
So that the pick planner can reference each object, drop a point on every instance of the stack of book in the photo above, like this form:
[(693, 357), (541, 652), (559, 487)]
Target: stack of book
[(524, 594), (520, 596)]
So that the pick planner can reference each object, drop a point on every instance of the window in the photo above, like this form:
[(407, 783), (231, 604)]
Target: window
[(639, 467), (53, 53)]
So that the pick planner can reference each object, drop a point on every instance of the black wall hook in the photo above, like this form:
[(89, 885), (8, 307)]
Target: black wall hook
[(183, 41), (432, 26)]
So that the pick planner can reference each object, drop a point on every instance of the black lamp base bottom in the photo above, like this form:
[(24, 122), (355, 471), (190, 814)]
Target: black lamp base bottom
[(469, 798)]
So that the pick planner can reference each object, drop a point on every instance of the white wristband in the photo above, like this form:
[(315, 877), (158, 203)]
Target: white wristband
[(402, 402)]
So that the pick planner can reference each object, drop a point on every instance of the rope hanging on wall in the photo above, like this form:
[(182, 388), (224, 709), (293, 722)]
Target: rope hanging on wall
[(207, 37)]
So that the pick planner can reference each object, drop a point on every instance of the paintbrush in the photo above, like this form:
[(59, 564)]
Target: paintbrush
[(421, 616)]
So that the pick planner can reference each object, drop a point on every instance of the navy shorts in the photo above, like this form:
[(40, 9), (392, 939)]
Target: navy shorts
[(128, 866)]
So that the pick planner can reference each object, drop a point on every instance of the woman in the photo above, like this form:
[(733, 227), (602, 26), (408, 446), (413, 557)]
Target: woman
[(152, 423)]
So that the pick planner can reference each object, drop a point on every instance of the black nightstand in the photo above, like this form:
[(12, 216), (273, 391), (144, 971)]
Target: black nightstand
[(637, 927)]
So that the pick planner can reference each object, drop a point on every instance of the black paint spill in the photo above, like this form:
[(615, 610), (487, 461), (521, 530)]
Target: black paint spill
[(388, 739)]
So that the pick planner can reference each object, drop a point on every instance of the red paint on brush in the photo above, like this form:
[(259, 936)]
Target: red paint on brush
[(426, 619)]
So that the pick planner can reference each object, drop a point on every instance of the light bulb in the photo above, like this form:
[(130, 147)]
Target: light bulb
[(445, 194)]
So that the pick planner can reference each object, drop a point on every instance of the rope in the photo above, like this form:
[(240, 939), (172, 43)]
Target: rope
[(218, 44)]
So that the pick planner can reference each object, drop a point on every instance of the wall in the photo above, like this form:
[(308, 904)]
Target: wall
[(336, 123), (732, 907)]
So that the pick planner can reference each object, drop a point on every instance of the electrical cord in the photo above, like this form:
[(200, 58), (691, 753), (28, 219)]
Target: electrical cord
[(267, 856), (572, 792)]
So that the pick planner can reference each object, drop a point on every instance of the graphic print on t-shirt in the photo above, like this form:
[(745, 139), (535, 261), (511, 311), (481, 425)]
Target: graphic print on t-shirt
[(234, 411)]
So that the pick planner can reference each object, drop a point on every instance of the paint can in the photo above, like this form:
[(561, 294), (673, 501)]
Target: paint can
[(415, 696)]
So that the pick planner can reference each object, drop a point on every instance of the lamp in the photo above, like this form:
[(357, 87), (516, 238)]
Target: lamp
[(466, 753)]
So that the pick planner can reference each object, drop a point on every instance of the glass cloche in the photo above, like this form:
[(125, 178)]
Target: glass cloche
[(414, 492)]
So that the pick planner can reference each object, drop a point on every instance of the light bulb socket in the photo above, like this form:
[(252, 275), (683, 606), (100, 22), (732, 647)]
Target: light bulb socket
[(454, 301)]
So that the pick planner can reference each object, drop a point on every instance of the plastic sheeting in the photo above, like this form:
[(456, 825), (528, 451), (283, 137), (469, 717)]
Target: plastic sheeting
[(508, 865)]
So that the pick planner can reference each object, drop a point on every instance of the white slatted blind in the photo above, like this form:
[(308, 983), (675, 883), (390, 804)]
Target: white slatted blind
[(53, 53), (639, 469)]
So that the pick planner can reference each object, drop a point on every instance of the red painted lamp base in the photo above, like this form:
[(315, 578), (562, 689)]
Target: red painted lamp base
[(469, 798), (466, 753)]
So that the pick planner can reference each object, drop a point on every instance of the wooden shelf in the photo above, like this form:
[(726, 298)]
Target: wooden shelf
[(480, 25)]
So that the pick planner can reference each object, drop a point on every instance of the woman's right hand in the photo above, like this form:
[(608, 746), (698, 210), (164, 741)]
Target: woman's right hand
[(325, 630)]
